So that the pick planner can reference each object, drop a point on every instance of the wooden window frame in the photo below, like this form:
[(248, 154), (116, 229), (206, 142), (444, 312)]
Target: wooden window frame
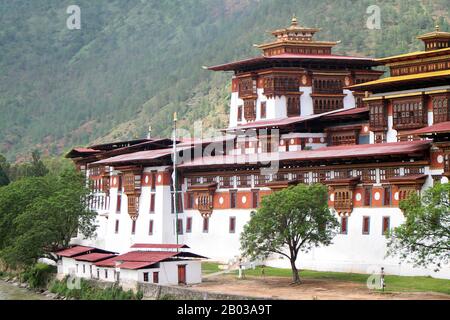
[(205, 226), (188, 224), (232, 225), (344, 225), (366, 226), (233, 199), (116, 226), (150, 227), (385, 229)]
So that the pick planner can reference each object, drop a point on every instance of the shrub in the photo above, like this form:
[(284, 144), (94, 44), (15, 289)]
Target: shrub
[(38, 275)]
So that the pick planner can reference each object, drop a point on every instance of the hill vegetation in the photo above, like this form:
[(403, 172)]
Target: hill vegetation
[(134, 62)]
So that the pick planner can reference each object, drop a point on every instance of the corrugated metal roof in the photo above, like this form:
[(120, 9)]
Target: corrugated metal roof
[(338, 152), (94, 257), (159, 246), (74, 251), (436, 128), (135, 265)]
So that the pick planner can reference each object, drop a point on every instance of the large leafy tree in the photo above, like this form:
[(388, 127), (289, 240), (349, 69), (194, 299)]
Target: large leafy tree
[(424, 238), (38, 216), (290, 221)]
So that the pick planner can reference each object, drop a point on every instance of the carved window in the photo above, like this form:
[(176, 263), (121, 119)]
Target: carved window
[(378, 118), (343, 200), (225, 182), (247, 87), (388, 173), (380, 137), (278, 85), (244, 181), (250, 110), (327, 104), (414, 171), (133, 205), (441, 108), (261, 180), (293, 106), (369, 175), (343, 138), (132, 183), (409, 114), (328, 85)]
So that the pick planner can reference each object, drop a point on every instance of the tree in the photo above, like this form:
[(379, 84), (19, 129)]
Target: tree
[(45, 221), (424, 238), (289, 221), (4, 166), (37, 168)]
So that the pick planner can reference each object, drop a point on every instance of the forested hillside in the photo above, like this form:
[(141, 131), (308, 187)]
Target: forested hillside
[(134, 62)]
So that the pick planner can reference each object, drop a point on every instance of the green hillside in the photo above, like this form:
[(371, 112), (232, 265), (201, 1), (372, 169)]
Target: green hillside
[(135, 62)]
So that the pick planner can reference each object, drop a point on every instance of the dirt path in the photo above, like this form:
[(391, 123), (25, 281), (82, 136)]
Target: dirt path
[(280, 288)]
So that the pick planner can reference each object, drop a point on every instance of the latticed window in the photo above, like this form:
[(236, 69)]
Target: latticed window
[(293, 106), (441, 108), (326, 104), (369, 175), (330, 86), (414, 170), (343, 200), (378, 119), (339, 139), (261, 180), (225, 182), (263, 110), (250, 110), (388, 173), (409, 114), (244, 181), (247, 87), (280, 177), (278, 85), (132, 182)]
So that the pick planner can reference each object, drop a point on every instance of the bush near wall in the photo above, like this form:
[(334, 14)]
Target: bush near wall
[(39, 275), (88, 291)]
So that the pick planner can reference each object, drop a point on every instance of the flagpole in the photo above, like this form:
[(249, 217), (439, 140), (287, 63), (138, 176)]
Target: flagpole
[(174, 174)]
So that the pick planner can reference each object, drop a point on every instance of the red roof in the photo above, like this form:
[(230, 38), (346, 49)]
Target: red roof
[(349, 112), (328, 153), (442, 127), (289, 57), (140, 156), (286, 121), (74, 251), (146, 256), (135, 265), (159, 246), (95, 257), (108, 263)]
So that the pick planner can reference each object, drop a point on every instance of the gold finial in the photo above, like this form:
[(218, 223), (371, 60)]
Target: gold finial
[(294, 21), (438, 28), (175, 119)]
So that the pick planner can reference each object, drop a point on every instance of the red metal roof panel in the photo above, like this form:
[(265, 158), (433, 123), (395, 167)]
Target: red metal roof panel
[(159, 246), (436, 128), (146, 256), (95, 257), (74, 251), (338, 152), (135, 265)]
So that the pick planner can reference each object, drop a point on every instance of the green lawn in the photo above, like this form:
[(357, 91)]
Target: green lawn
[(393, 283)]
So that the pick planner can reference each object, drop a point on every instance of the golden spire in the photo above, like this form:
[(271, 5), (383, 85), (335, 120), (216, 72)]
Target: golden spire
[(438, 28), (294, 22)]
